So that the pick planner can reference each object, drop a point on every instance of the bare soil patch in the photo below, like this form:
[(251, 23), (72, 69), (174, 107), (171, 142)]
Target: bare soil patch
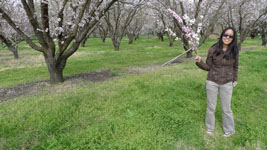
[(34, 87), (154, 47), (249, 48)]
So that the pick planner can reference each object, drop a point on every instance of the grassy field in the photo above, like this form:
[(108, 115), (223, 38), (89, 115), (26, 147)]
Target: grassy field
[(141, 106)]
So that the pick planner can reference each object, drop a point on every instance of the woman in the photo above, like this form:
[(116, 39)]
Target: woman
[(222, 67)]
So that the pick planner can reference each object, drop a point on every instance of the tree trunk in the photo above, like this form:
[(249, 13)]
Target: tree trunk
[(131, 41), (131, 38), (186, 47), (15, 52), (55, 71), (189, 54), (136, 37), (264, 40), (103, 39), (117, 47), (83, 42), (160, 36), (116, 44), (171, 42), (241, 40), (12, 47)]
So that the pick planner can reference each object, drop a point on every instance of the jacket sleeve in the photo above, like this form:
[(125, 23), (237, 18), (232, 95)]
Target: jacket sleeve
[(235, 67), (206, 66)]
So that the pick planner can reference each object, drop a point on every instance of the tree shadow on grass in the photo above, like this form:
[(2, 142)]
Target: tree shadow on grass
[(29, 88)]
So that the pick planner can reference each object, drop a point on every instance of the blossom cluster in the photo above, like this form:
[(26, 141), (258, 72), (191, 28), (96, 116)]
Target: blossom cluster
[(171, 33), (187, 30)]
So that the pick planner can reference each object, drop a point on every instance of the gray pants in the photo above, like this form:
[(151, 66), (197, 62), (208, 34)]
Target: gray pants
[(225, 96)]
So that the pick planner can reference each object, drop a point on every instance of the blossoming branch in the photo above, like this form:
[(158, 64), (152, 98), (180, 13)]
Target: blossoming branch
[(187, 30)]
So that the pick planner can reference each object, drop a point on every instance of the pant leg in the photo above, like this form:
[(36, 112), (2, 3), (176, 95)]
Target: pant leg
[(212, 92), (226, 96)]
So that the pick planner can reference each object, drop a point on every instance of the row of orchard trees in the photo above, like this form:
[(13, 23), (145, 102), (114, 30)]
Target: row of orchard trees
[(206, 17), (61, 26)]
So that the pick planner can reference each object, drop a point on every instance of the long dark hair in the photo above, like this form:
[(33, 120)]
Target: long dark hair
[(232, 50)]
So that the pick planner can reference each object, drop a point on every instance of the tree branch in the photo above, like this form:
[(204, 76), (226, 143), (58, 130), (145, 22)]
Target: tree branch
[(16, 28), (85, 30), (34, 22)]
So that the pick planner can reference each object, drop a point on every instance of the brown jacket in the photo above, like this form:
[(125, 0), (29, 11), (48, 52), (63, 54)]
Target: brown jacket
[(220, 69)]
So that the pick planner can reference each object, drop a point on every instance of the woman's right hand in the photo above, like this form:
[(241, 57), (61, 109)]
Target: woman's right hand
[(198, 58)]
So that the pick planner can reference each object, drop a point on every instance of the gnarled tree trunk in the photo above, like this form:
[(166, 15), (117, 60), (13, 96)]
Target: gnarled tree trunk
[(264, 40), (55, 68)]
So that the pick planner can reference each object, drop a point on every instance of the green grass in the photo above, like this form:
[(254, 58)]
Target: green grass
[(97, 56), (161, 108)]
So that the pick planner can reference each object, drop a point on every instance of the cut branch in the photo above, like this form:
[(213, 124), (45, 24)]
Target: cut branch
[(172, 60)]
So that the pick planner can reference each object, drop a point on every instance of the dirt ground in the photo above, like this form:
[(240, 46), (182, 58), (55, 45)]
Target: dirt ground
[(33, 87)]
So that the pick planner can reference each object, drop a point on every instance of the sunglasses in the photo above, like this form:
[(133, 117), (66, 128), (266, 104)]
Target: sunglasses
[(228, 35)]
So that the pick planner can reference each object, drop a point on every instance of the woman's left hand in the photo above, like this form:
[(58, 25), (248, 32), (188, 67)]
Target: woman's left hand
[(234, 83)]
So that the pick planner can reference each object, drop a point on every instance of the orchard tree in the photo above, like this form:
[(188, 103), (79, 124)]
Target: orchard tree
[(246, 15), (12, 45), (8, 35), (91, 31), (163, 21), (69, 29), (103, 31), (211, 12), (260, 29), (135, 27), (120, 17)]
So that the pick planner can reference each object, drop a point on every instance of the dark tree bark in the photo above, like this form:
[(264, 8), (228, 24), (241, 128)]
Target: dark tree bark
[(14, 50), (264, 40), (160, 35), (13, 47), (263, 32)]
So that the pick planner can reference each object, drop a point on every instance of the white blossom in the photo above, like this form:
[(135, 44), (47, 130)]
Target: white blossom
[(59, 30), (40, 30)]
